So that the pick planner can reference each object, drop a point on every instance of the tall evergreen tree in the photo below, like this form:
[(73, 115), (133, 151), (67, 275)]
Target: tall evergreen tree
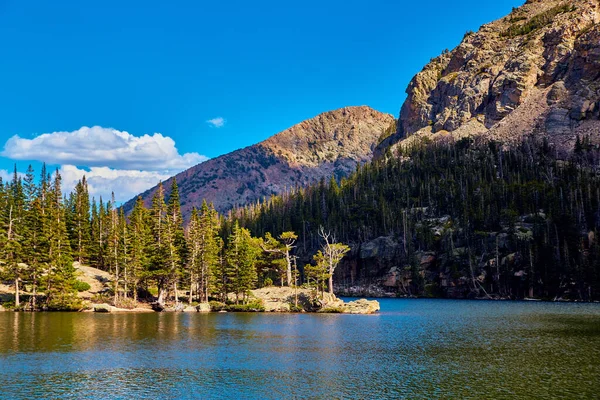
[(174, 237), (80, 222), (203, 249), (60, 279), (140, 239), (242, 253), (113, 246), (160, 270)]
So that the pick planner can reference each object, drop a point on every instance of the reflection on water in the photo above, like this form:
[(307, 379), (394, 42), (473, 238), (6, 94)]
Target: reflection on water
[(412, 349)]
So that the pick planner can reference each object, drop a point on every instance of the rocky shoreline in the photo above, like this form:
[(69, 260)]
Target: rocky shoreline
[(269, 299)]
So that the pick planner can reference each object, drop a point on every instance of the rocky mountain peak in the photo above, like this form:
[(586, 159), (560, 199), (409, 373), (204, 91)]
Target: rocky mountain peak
[(330, 144), (534, 71), (348, 132)]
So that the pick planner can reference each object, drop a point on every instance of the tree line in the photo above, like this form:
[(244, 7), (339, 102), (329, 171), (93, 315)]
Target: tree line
[(149, 253)]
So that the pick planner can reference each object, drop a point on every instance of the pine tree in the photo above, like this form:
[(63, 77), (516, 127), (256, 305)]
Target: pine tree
[(124, 256), (60, 279), (159, 268), (80, 224), (283, 248), (332, 253), (317, 273), (242, 253), (12, 236), (113, 247), (36, 250), (203, 250), (140, 238), (174, 237)]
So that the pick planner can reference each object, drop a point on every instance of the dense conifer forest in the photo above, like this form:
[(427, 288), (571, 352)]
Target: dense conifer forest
[(472, 219), (150, 254)]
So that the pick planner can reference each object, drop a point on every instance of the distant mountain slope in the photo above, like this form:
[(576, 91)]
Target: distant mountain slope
[(330, 144), (536, 70)]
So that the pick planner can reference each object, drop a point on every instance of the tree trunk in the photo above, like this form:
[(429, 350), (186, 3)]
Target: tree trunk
[(33, 296), (116, 284), (330, 283), (17, 294), (125, 283), (191, 289), (289, 268), (206, 289), (161, 296), (175, 292)]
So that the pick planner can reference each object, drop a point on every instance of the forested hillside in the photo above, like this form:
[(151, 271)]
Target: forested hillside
[(456, 219), (150, 255)]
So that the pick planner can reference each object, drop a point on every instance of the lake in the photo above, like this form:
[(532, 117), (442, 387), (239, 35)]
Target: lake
[(411, 349)]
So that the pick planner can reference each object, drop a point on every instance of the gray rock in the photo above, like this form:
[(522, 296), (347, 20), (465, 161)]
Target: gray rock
[(103, 308), (384, 247), (361, 306)]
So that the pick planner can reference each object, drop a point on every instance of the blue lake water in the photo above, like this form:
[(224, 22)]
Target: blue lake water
[(411, 349)]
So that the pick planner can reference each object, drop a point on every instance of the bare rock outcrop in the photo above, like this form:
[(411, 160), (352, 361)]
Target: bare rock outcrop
[(535, 71), (282, 299)]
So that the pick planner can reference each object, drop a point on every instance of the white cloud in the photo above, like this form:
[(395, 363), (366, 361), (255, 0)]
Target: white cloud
[(218, 122), (126, 184), (5, 175), (103, 147)]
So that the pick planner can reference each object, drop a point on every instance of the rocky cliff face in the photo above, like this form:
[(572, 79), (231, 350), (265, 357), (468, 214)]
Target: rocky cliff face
[(331, 144), (536, 70)]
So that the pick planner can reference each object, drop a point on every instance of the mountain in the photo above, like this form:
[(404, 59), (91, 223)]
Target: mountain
[(330, 144), (506, 203), (536, 70)]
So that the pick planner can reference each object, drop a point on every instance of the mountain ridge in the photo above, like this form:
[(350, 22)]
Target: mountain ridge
[(330, 144)]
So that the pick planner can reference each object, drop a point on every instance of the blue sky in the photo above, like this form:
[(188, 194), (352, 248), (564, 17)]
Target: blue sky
[(165, 69)]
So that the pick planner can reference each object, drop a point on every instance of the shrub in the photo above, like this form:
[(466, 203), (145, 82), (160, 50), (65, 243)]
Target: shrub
[(296, 308), (253, 306), (127, 303), (332, 310), (81, 286), (9, 305), (217, 305), (537, 21), (64, 302)]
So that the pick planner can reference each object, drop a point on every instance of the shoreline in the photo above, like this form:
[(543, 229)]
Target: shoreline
[(110, 309)]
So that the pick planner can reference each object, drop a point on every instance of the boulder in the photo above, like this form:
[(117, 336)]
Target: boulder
[(203, 307), (361, 306), (280, 299), (2, 308), (190, 309), (103, 308)]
